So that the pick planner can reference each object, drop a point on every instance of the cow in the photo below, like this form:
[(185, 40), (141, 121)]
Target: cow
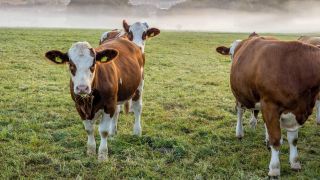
[(283, 79), (316, 42), (101, 79), (138, 33), (240, 109)]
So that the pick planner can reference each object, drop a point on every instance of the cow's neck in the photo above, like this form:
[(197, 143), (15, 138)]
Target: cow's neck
[(86, 104)]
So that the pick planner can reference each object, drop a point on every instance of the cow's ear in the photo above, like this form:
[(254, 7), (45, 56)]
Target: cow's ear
[(152, 32), (106, 55), (57, 57), (126, 26), (223, 50)]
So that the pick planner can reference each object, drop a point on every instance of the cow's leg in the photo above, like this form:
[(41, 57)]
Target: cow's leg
[(104, 128), (318, 111), (293, 139), (254, 117), (130, 106), (137, 109), (239, 128), (266, 136), (114, 122), (91, 143), (271, 117)]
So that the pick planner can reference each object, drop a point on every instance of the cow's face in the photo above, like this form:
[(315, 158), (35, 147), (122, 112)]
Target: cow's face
[(82, 58), (139, 32), (82, 66), (229, 51)]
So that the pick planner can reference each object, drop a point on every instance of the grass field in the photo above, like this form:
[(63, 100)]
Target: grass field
[(188, 115)]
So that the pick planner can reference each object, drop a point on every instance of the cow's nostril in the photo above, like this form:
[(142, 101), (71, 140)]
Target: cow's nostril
[(82, 88)]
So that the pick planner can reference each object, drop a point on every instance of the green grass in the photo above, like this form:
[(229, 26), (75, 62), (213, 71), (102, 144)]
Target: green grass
[(188, 115)]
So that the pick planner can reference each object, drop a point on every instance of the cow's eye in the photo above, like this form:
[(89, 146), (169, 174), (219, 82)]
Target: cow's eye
[(73, 69), (92, 68)]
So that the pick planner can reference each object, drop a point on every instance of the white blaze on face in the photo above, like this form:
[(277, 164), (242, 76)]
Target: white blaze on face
[(233, 47), (81, 56), (138, 29)]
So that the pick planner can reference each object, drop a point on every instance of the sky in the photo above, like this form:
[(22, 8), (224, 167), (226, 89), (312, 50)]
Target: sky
[(295, 17)]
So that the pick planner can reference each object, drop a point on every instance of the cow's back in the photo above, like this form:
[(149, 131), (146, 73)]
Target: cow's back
[(283, 70)]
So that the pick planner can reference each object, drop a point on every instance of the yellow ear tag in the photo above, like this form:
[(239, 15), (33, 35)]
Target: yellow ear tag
[(104, 59), (56, 59)]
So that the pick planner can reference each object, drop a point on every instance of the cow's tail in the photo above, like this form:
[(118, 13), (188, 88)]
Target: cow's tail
[(126, 107)]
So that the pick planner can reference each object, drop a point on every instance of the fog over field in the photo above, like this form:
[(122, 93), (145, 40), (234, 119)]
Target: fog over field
[(196, 15)]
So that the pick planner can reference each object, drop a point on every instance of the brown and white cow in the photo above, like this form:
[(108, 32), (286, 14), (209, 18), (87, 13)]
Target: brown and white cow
[(240, 109), (284, 78), (98, 84), (138, 33), (316, 42)]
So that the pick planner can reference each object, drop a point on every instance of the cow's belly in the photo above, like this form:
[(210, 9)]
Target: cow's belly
[(243, 92), (246, 100), (126, 93)]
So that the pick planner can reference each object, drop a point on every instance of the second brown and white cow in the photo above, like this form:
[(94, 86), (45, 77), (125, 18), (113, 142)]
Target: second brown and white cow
[(138, 33), (98, 84), (283, 78)]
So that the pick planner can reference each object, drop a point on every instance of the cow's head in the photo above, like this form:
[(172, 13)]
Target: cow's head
[(82, 59), (139, 32), (229, 51)]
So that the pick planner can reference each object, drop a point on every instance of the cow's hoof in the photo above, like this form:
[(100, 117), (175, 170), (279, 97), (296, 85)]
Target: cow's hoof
[(239, 135), (274, 177), (253, 123), (295, 166), (274, 173), (239, 138), (137, 131), (91, 150), (103, 156)]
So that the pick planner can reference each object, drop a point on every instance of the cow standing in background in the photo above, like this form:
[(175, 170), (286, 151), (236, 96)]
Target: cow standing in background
[(102, 78), (240, 109), (316, 42), (283, 78), (138, 33)]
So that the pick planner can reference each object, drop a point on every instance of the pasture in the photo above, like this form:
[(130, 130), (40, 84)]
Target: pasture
[(188, 118)]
